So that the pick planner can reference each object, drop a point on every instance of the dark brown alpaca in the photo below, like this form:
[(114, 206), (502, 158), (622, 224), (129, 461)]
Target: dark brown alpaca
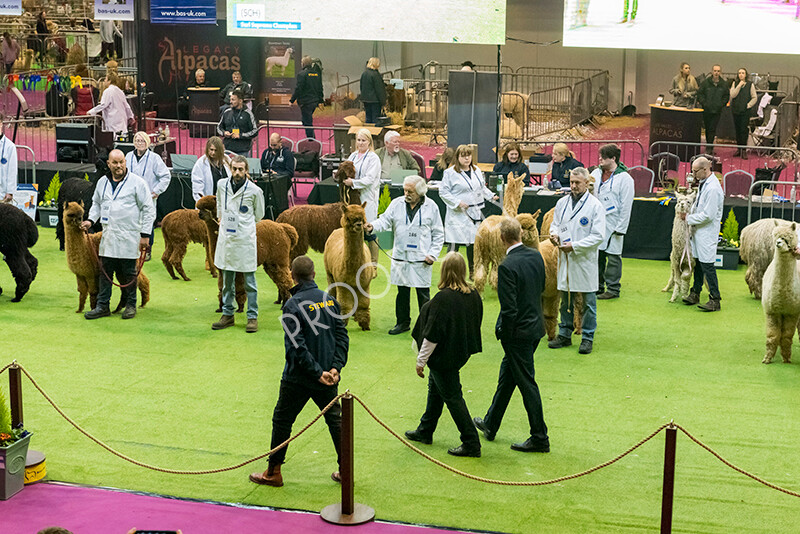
[(180, 228)]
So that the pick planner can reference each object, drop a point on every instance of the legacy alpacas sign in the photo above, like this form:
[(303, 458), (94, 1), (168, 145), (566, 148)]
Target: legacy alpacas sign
[(179, 50)]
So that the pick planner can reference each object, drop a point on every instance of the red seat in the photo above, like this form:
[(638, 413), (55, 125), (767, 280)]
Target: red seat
[(306, 177), (421, 162), (736, 183), (642, 179)]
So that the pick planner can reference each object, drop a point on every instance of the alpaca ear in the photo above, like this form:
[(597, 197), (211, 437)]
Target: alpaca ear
[(364, 205), (81, 203), (344, 207), (776, 223), (794, 225)]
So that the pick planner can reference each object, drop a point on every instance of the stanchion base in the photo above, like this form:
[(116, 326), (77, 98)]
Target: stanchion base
[(35, 467), (361, 514)]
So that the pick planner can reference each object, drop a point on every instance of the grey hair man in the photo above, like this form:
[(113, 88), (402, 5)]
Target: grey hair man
[(394, 157)]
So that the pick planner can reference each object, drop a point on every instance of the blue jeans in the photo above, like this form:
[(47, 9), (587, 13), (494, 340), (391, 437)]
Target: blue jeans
[(589, 314), (229, 293)]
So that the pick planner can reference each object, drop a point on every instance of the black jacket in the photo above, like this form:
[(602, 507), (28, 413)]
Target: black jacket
[(712, 97), (243, 120), (280, 161), (244, 87), (309, 87), (519, 169), (372, 88), (520, 282), (452, 320), (314, 348), (561, 170)]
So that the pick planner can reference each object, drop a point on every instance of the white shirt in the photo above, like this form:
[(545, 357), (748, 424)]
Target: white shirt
[(704, 219), (152, 168), (203, 178), (107, 31), (115, 110), (469, 188), (238, 214), (8, 169), (368, 180), (582, 225)]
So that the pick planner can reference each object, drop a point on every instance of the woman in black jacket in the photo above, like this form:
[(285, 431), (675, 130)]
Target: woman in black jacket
[(448, 332), (512, 162), (743, 98), (563, 162), (373, 92), (444, 161)]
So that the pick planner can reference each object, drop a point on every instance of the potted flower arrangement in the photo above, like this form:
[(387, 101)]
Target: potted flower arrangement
[(48, 209), (13, 452), (385, 239), (728, 245)]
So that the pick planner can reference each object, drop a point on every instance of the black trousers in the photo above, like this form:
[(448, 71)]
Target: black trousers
[(516, 371), (125, 270), (372, 111), (741, 122), (307, 117), (711, 121), (402, 304), (292, 398), (107, 50), (444, 388), (708, 271)]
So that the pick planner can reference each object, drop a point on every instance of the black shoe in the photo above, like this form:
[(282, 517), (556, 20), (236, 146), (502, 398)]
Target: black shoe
[(129, 313), (399, 329), (559, 341), (607, 296), (416, 435), (586, 347), (529, 446), (480, 424), (97, 313), (691, 299), (711, 306), (461, 450)]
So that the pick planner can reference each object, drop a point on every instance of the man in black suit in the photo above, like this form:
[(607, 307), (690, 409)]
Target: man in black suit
[(520, 326)]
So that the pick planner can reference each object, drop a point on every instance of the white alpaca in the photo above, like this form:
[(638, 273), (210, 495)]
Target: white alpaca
[(681, 261), (781, 293), (756, 250), (279, 61)]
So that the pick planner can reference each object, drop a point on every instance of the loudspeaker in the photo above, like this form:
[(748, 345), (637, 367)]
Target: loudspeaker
[(74, 131), (75, 143)]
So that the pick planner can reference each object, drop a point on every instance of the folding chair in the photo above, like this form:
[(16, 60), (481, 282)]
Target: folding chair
[(643, 179), (763, 135), (287, 143), (737, 182), (661, 163), (421, 162), (309, 144)]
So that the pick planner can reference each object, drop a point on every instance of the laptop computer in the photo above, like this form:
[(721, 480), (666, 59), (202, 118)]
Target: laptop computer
[(254, 164), (398, 175), (183, 163)]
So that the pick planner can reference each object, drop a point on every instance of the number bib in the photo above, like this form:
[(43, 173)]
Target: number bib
[(230, 223), (607, 199), (564, 234), (412, 239), (105, 213)]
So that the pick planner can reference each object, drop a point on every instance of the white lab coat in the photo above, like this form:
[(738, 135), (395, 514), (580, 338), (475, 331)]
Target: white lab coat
[(126, 213), (203, 179), (115, 110), (368, 181), (462, 187), (150, 167), (616, 196), (413, 241), (704, 220), (8, 170), (238, 214), (108, 29), (585, 227)]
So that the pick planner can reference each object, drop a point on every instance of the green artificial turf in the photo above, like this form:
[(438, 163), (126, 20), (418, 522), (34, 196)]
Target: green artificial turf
[(167, 390)]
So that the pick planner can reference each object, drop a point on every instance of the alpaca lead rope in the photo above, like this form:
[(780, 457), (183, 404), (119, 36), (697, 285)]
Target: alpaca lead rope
[(139, 265)]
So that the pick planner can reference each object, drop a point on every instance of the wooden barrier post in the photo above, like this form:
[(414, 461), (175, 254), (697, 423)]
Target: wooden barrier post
[(669, 479), (347, 512), (15, 395)]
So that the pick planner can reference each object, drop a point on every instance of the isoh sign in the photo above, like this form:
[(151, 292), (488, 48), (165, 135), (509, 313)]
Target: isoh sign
[(250, 12)]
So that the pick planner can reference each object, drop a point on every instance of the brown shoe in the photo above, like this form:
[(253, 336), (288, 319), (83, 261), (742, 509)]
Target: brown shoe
[(691, 299), (224, 322), (252, 326), (711, 306), (270, 477)]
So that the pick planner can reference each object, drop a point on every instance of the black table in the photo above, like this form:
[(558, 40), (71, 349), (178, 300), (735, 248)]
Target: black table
[(677, 124), (649, 234)]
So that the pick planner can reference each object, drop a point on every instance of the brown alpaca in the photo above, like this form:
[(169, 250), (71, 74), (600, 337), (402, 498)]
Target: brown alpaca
[(551, 296), (180, 228), (82, 261), (315, 224), (547, 220), (24, 63), (489, 248), (346, 258), (207, 207)]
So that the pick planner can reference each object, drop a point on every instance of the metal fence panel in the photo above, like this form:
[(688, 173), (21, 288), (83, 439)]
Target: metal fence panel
[(549, 111), (587, 150)]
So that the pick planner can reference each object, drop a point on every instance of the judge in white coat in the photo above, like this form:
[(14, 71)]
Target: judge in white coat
[(150, 166), (367, 180), (240, 205), (704, 220), (210, 168), (122, 203), (8, 167), (113, 107), (418, 238), (578, 229), (463, 191), (614, 188)]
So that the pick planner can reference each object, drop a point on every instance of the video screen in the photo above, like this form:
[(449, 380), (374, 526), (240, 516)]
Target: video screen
[(428, 21), (760, 26)]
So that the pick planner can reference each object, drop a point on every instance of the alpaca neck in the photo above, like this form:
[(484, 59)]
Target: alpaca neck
[(73, 236), (785, 264), (354, 247), (511, 201)]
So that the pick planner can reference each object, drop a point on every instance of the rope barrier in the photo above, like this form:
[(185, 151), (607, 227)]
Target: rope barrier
[(404, 442)]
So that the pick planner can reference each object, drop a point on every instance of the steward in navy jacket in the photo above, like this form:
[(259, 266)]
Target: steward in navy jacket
[(315, 338)]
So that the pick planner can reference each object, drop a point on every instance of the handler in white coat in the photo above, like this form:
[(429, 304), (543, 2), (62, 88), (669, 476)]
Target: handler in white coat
[(367, 180), (418, 239), (463, 191), (614, 188), (704, 220), (149, 165), (578, 229), (113, 107), (123, 205), (210, 168), (8, 167), (240, 205)]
